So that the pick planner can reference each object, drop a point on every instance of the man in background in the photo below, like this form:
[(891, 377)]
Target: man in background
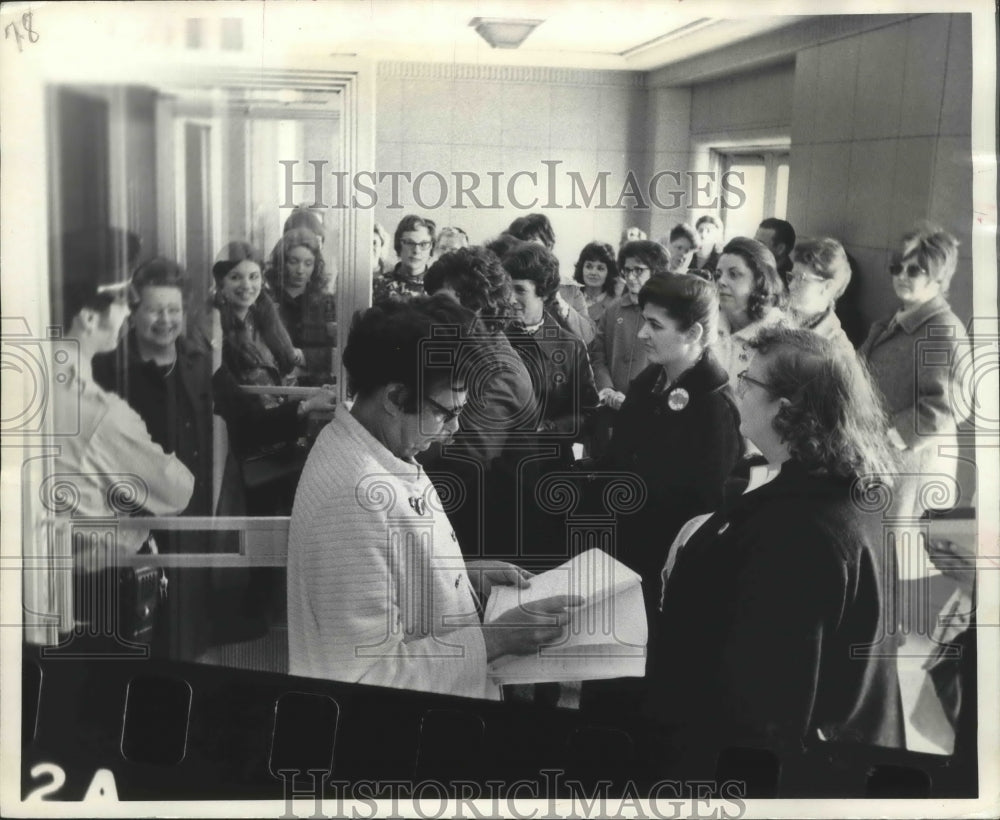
[(779, 237)]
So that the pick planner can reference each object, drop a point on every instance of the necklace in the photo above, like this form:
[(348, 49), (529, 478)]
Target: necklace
[(165, 370)]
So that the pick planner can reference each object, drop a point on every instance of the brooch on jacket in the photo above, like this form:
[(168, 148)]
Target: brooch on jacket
[(418, 504), (678, 398)]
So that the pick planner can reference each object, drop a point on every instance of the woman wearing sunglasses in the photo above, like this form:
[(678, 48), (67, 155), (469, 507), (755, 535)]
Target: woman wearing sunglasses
[(770, 603), (918, 389)]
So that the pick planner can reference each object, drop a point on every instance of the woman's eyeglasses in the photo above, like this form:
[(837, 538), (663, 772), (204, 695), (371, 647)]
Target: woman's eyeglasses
[(446, 414), (742, 380), (912, 269), (409, 243), (630, 273)]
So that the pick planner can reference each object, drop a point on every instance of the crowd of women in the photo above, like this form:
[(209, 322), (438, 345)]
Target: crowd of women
[(728, 390)]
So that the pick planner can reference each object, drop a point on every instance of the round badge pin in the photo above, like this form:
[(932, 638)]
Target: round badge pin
[(678, 398)]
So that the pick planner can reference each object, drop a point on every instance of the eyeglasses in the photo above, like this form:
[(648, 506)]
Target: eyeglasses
[(635, 272), (803, 276), (912, 270), (742, 379), (409, 243), (171, 312), (446, 414)]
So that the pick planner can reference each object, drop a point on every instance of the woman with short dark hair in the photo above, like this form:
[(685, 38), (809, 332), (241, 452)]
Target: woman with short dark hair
[(678, 427), (566, 303), (792, 647), (413, 242), (706, 257), (681, 244), (475, 277), (376, 581), (615, 352), (678, 431), (534, 228), (165, 376), (596, 272), (567, 384)]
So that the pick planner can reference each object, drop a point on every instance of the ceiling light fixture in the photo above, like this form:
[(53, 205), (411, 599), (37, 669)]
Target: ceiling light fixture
[(503, 33)]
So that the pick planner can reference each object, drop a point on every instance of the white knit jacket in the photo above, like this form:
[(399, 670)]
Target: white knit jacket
[(377, 587)]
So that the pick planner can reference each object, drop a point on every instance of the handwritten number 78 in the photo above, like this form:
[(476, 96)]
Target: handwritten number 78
[(31, 34)]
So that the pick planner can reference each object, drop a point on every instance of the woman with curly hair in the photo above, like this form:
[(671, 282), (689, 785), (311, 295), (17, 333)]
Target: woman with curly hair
[(597, 273), (501, 408), (775, 602), (299, 284), (751, 298), (567, 304)]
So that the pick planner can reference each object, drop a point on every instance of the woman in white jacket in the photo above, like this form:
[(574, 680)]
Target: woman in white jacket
[(378, 591)]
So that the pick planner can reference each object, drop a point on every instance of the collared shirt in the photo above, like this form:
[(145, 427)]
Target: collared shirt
[(915, 358), (112, 465), (827, 325)]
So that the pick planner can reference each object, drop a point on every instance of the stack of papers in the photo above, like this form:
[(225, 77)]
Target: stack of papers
[(606, 636)]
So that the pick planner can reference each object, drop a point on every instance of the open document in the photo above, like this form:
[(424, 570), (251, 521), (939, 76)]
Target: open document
[(606, 635)]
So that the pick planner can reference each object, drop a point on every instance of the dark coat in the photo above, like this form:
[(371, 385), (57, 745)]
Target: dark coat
[(477, 474), (253, 423), (766, 618), (709, 264), (563, 381), (310, 320), (177, 408), (683, 456)]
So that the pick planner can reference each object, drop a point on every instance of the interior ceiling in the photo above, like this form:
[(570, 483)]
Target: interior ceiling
[(638, 35)]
